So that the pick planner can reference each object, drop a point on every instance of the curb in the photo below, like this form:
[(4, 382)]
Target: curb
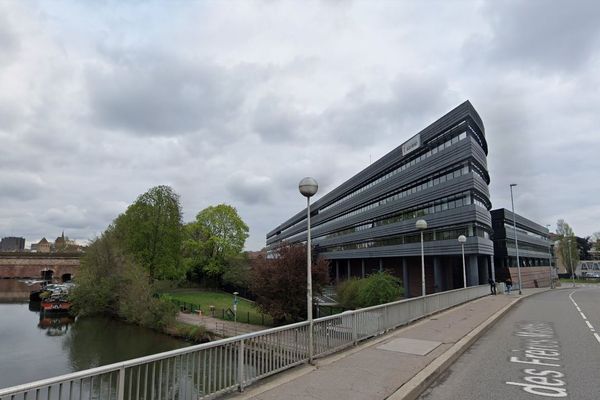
[(412, 389)]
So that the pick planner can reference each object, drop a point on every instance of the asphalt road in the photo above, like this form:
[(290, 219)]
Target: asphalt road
[(543, 348)]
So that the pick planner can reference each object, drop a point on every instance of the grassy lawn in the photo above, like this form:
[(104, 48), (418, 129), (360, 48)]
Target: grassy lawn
[(199, 299)]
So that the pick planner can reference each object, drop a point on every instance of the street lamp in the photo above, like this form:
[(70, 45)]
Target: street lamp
[(462, 239), (550, 257), (308, 187), (571, 263), (515, 231), (235, 302), (422, 225)]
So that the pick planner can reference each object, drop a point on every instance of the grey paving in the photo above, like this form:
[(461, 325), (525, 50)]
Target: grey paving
[(218, 326), (410, 346), (369, 372)]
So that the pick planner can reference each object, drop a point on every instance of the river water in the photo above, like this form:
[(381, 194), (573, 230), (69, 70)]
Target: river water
[(35, 347)]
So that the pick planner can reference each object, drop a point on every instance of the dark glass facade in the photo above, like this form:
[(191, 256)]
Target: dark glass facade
[(368, 223), (532, 239)]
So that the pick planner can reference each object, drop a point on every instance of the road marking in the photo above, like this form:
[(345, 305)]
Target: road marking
[(592, 329), (589, 325), (540, 350)]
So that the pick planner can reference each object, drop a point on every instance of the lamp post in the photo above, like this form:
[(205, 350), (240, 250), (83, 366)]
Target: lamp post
[(571, 263), (422, 225), (462, 239), (308, 187), (235, 302), (515, 232), (550, 257)]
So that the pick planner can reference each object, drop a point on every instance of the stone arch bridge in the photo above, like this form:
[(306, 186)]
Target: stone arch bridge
[(56, 267)]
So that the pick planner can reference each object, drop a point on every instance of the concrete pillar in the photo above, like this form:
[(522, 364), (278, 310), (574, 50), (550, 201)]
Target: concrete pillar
[(492, 267), (472, 271), (362, 266), (348, 268), (405, 277), (381, 265), (438, 275), (337, 271)]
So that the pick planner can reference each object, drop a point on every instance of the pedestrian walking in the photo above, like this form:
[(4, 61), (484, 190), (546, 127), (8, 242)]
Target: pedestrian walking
[(492, 286), (508, 285)]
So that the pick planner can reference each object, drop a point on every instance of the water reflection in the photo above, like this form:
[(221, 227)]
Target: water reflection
[(15, 290), (37, 346), (55, 325), (92, 342)]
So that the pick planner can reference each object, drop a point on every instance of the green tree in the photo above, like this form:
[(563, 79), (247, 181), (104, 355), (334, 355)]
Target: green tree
[(150, 230), (595, 241), (110, 282), (567, 245), (279, 283), (237, 273), (213, 241)]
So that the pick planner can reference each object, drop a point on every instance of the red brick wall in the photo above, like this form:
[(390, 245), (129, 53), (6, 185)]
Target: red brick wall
[(531, 274), (30, 266)]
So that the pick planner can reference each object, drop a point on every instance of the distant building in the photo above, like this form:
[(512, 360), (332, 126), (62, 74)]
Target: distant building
[(533, 241), (12, 243), (43, 246)]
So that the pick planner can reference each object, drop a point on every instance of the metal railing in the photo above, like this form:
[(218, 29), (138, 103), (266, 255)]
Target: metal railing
[(210, 369)]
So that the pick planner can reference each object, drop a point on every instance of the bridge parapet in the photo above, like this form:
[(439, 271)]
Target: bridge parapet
[(33, 265)]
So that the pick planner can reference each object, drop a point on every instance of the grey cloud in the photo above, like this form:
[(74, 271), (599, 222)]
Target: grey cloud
[(540, 34), (276, 121), (250, 189), (167, 96), (9, 42), (354, 121), (67, 217), (20, 186)]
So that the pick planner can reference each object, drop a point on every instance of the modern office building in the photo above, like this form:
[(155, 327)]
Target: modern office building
[(12, 243), (533, 241), (368, 222)]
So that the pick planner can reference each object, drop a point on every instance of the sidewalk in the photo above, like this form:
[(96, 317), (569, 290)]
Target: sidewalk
[(218, 326), (398, 365)]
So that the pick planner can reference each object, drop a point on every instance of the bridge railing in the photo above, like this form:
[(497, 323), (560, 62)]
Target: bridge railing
[(210, 369)]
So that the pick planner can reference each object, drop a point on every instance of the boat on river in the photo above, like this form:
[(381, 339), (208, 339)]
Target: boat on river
[(54, 298), (56, 304)]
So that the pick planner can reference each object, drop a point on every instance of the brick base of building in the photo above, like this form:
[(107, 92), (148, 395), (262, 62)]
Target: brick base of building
[(532, 276)]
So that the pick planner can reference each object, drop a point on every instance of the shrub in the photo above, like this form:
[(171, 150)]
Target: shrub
[(347, 292), (378, 288)]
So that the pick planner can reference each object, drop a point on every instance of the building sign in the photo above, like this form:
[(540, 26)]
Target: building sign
[(412, 144)]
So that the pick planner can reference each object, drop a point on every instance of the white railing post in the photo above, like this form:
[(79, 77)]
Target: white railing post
[(241, 366), (121, 386), (355, 327)]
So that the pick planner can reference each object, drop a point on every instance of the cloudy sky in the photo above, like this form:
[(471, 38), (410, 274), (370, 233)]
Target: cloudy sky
[(235, 102)]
